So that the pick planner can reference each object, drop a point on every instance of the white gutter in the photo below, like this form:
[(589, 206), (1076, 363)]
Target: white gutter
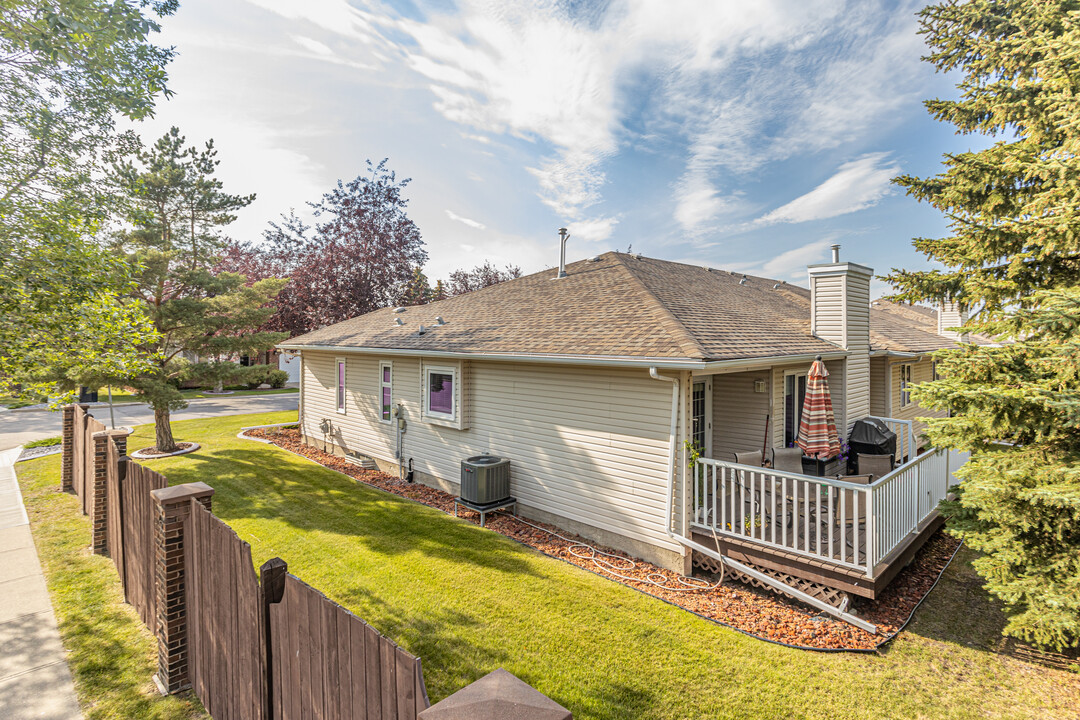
[(744, 569), (605, 360)]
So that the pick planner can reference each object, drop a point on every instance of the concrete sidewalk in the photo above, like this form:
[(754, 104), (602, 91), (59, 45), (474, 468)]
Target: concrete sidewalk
[(34, 678)]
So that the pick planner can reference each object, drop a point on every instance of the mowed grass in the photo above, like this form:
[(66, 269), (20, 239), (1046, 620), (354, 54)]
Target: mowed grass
[(467, 601), (111, 653)]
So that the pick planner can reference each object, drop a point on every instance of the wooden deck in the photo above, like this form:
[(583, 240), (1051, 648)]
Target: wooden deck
[(822, 571)]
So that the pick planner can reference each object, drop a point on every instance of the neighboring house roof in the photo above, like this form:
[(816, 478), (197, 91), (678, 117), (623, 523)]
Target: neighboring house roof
[(899, 327), (616, 305)]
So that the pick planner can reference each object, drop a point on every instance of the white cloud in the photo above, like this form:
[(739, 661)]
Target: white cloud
[(465, 220), (593, 231), (856, 185), (337, 16), (699, 203), (313, 45), (793, 262)]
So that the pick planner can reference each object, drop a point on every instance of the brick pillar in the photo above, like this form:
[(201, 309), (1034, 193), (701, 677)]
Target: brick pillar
[(172, 509), (67, 434), (499, 694), (99, 508)]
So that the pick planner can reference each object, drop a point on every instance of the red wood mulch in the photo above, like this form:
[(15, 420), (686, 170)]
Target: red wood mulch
[(755, 612)]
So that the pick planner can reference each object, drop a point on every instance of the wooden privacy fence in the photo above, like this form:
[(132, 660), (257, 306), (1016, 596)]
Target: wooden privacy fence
[(250, 648), (328, 663), (193, 583), (83, 456)]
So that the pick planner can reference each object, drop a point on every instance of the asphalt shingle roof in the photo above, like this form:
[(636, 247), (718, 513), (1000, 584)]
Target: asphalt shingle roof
[(621, 305)]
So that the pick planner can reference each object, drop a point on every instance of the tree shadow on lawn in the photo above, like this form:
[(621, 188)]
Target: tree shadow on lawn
[(254, 484), (961, 612)]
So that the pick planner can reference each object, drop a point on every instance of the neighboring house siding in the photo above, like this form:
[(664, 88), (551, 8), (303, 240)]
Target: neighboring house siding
[(739, 413), (879, 386), (920, 372), (588, 444)]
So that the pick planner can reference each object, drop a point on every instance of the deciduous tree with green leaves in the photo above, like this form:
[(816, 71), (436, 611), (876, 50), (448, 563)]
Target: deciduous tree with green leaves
[(1012, 258), (68, 70), (178, 209)]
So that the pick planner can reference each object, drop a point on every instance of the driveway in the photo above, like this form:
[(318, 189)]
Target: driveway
[(18, 428)]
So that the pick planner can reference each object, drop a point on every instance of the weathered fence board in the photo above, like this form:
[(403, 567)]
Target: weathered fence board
[(114, 533), (328, 663), (224, 633), (138, 523)]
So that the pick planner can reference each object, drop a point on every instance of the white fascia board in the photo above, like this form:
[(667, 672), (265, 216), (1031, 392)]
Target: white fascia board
[(606, 360)]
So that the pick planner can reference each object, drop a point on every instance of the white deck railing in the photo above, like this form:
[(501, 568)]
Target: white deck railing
[(848, 524)]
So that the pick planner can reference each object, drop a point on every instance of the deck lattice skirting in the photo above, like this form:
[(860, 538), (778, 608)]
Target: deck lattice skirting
[(834, 597)]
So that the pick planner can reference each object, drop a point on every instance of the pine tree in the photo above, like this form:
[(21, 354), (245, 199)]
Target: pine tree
[(418, 291), (174, 247), (1013, 260)]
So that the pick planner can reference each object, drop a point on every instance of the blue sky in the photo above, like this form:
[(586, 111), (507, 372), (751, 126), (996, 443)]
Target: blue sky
[(743, 135)]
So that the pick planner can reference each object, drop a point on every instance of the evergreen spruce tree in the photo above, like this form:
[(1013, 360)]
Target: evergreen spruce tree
[(178, 207), (1012, 259)]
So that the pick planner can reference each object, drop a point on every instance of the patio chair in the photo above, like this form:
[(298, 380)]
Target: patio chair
[(788, 460), (874, 465)]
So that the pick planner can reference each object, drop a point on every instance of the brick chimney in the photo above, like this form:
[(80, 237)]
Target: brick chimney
[(840, 314), (951, 315)]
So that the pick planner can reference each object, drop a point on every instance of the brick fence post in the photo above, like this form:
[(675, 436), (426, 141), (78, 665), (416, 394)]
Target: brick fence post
[(99, 509), (67, 435), (172, 510), (499, 695)]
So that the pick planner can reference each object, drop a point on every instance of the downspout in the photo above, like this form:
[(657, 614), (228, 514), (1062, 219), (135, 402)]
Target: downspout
[(713, 553)]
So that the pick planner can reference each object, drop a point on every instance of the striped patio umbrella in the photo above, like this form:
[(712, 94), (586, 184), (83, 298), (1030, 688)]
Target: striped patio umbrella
[(817, 428)]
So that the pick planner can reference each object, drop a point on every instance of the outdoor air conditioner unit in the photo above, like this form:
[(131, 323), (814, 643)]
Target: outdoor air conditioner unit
[(485, 479)]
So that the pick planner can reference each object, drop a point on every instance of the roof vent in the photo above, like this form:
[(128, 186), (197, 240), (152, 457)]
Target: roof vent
[(399, 309), (439, 320), (776, 286), (564, 235), (743, 281), (637, 256), (594, 258), (706, 268), (399, 321), (422, 330)]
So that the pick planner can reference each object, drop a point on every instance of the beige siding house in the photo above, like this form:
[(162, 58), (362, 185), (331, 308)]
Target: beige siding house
[(592, 383)]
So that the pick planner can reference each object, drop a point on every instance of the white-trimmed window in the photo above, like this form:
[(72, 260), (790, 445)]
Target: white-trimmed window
[(440, 392), (905, 385), (339, 370), (386, 391)]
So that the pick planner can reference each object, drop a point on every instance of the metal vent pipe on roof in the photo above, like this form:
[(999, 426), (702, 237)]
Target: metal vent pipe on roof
[(564, 235), (836, 253)]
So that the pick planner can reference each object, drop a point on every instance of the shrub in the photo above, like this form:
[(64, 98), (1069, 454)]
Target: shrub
[(277, 378), (47, 442), (255, 375)]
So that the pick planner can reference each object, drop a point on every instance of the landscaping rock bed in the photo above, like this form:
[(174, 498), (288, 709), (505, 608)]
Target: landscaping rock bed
[(754, 612)]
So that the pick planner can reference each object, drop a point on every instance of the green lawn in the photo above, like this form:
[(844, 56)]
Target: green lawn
[(468, 601), (112, 655)]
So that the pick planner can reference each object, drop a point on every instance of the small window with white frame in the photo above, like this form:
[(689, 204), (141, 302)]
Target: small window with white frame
[(440, 401), (386, 391), (905, 385), (339, 369)]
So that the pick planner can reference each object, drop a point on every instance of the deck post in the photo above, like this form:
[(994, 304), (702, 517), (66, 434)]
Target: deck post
[(871, 532)]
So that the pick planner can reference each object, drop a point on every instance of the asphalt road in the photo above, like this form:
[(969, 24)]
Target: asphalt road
[(18, 428)]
